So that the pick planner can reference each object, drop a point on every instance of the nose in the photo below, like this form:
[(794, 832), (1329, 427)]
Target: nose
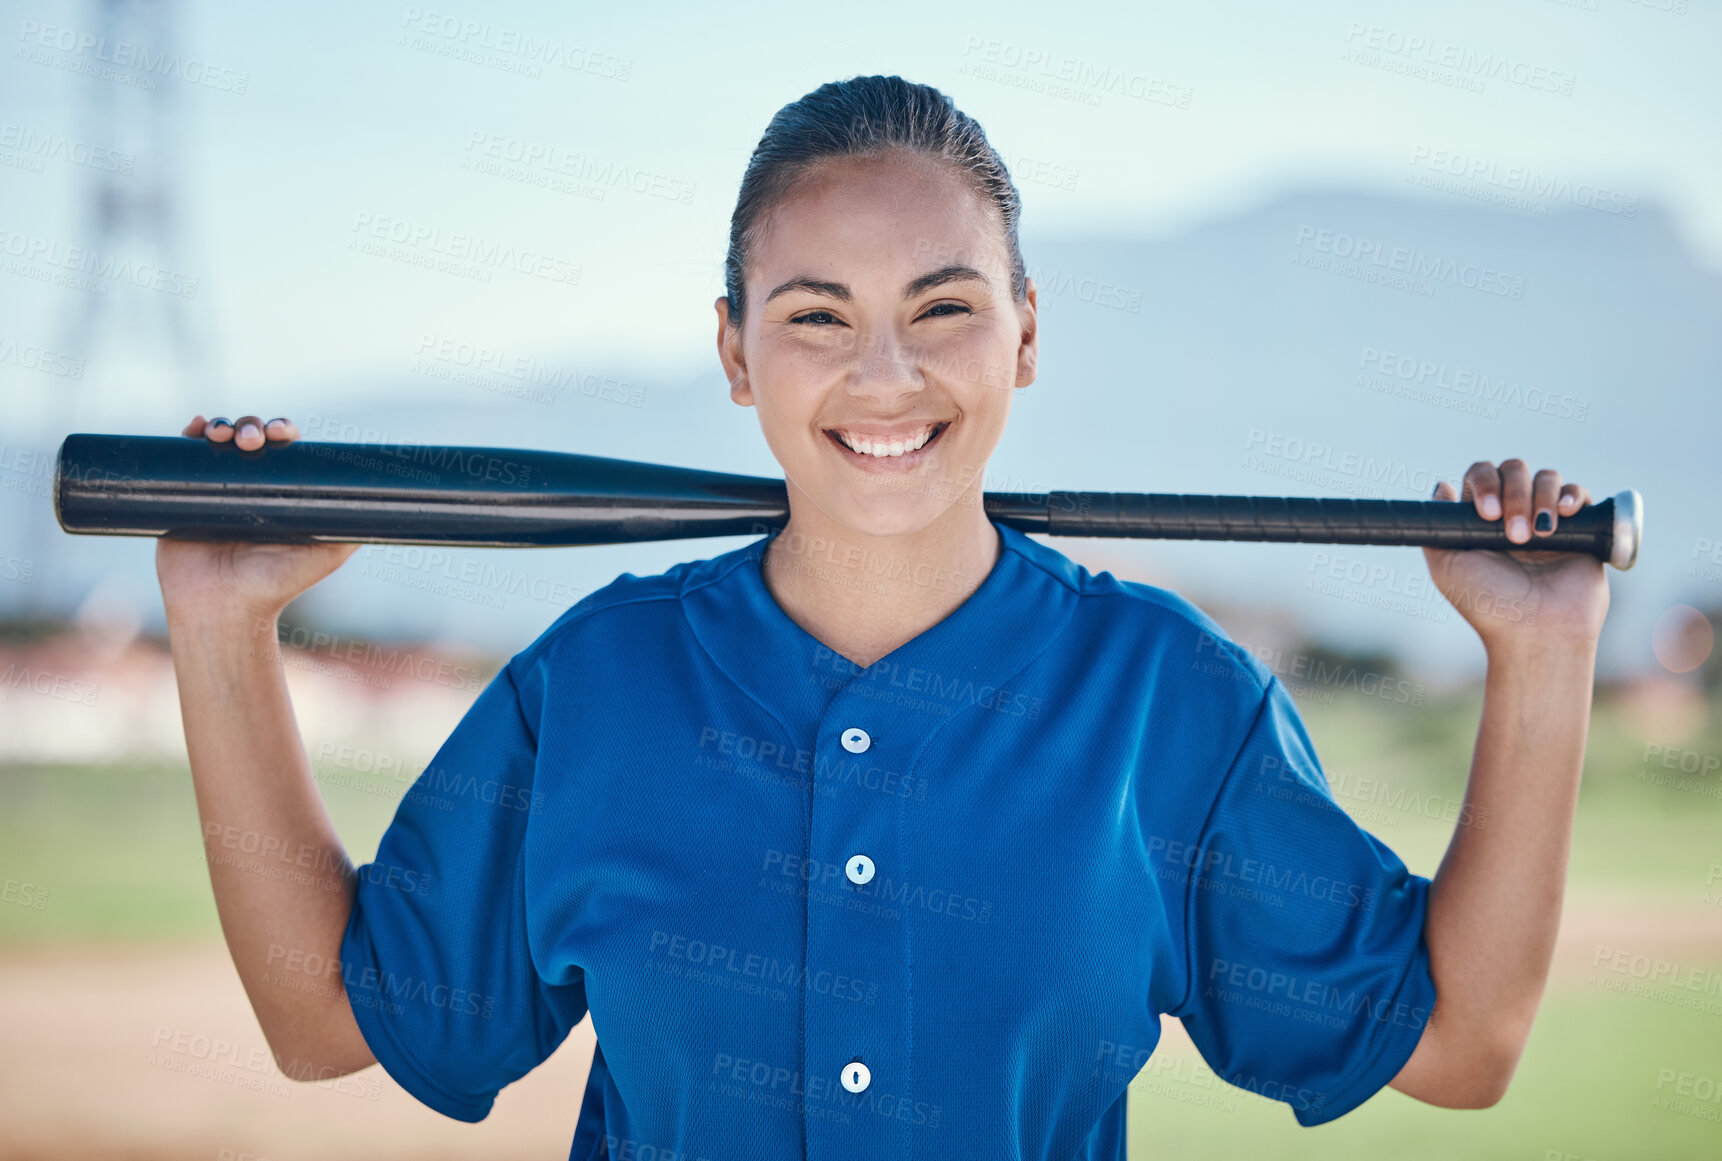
[(885, 370)]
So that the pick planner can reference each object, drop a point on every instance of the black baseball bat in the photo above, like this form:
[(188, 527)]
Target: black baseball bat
[(401, 493)]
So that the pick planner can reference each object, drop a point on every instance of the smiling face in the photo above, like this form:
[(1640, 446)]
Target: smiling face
[(881, 343)]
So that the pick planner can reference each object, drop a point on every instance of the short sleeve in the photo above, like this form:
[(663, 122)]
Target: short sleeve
[(435, 957), (1309, 978)]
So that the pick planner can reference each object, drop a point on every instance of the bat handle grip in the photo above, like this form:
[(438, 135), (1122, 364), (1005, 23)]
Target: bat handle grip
[(1611, 530)]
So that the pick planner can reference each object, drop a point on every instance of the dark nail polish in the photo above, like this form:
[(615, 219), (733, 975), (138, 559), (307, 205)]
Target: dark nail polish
[(1544, 521)]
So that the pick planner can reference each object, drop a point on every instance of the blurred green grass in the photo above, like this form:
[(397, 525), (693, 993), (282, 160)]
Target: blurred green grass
[(1583, 1090), (117, 848)]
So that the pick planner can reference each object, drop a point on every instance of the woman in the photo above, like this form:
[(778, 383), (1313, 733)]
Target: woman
[(896, 832)]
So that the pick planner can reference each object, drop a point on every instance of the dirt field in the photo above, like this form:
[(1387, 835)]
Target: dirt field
[(147, 1055), (90, 1070)]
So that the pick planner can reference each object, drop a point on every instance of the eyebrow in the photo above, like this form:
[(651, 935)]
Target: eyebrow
[(841, 292)]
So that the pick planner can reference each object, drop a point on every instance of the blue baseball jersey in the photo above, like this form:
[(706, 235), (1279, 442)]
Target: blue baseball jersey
[(931, 907)]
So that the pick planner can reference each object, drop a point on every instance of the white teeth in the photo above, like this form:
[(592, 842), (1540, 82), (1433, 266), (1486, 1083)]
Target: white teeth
[(895, 447)]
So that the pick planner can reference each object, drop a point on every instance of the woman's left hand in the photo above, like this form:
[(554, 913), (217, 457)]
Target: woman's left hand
[(1517, 594)]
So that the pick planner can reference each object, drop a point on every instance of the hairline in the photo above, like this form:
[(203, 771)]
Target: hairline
[(797, 174)]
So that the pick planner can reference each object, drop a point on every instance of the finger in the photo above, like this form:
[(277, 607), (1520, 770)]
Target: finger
[(1444, 490), (1545, 489), (1483, 485), (220, 430), (1573, 497), (248, 433), (281, 430), (196, 426), (1516, 499)]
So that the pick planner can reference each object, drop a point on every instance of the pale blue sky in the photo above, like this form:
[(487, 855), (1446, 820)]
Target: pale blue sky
[(340, 118)]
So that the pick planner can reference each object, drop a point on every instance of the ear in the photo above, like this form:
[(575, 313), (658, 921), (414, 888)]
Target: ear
[(1028, 351), (729, 354)]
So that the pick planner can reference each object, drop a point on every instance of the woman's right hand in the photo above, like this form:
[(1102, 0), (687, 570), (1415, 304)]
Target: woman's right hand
[(224, 577)]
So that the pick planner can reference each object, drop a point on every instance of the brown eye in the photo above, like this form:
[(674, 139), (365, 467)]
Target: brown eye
[(815, 317), (957, 307)]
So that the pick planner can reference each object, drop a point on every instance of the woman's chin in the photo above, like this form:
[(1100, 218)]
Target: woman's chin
[(882, 510)]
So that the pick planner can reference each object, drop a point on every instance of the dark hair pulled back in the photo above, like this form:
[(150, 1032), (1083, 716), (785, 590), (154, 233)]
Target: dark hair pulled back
[(862, 117)]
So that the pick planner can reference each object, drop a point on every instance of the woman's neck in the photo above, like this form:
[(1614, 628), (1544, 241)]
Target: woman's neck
[(863, 596)]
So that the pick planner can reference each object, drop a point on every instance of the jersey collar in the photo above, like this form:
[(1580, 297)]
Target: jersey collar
[(1013, 615)]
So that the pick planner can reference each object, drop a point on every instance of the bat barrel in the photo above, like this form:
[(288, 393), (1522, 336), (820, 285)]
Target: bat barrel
[(122, 485)]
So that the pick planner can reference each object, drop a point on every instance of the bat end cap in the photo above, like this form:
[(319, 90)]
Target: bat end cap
[(1628, 528), (59, 479)]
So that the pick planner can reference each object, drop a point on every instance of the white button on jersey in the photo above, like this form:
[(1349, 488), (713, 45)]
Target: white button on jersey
[(855, 740), (860, 869), (855, 1076)]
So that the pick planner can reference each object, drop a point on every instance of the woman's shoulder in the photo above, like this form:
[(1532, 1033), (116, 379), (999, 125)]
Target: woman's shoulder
[(1159, 621), (1172, 625), (628, 604), (1103, 595)]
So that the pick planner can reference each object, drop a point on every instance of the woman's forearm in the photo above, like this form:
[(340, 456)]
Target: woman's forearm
[(1494, 907), (283, 883)]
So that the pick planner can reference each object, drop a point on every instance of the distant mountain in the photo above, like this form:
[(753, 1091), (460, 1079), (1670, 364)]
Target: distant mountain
[(1338, 344)]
